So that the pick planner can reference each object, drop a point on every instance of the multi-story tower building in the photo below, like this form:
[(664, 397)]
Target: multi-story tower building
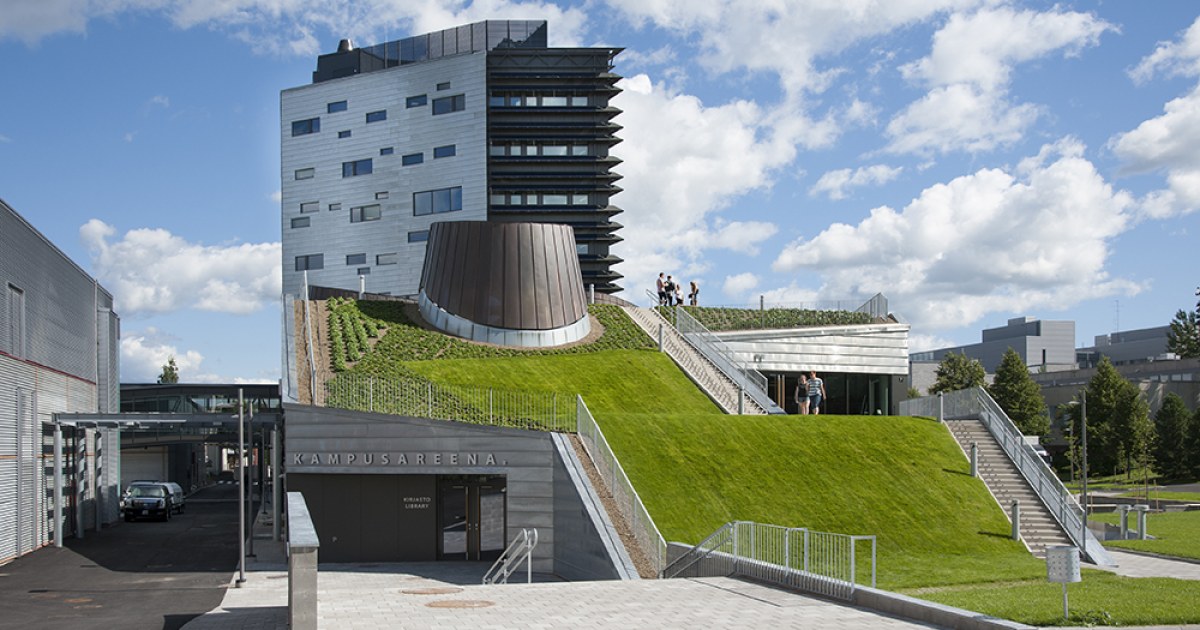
[(478, 122)]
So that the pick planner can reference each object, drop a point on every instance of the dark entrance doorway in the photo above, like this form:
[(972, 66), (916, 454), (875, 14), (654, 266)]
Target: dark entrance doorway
[(472, 513)]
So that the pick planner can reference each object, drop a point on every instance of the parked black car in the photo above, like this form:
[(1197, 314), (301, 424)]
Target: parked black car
[(148, 500)]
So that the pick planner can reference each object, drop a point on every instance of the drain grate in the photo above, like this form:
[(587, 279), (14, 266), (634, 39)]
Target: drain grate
[(433, 590), (460, 603)]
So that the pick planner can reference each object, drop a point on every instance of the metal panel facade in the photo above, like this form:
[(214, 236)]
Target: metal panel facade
[(868, 349), (406, 131)]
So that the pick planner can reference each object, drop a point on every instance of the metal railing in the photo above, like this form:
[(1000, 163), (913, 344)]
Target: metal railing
[(539, 411), (520, 549), (312, 362), (975, 402), (793, 557), (645, 533), (747, 378)]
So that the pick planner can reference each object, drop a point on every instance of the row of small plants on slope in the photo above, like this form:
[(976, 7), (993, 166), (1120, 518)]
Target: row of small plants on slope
[(350, 332), (722, 318)]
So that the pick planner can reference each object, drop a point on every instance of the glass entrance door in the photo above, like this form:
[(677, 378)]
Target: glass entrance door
[(472, 513)]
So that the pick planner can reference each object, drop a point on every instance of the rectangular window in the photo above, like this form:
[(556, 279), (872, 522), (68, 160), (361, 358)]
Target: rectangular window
[(336, 106), (310, 262), (381, 195), (300, 222), (448, 104), (366, 213), (443, 152), (554, 101), (497, 149), (309, 206), (554, 200), (437, 201), (415, 101), (357, 167), (378, 116), (334, 207), (579, 149), (554, 149), (443, 86), (305, 127), (496, 101), (386, 259), (16, 322), (356, 259), (386, 151), (579, 101), (582, 248), (412, 158), (419, 236), (499, 200), (579, 200), (305, 173), (364, 271), (344, 134)]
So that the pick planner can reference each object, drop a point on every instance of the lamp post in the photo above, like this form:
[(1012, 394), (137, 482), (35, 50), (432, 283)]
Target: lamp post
[(1083, 472), (241, 489)]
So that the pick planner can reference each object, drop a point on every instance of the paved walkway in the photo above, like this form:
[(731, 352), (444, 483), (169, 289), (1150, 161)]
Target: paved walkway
[(1139, 566)]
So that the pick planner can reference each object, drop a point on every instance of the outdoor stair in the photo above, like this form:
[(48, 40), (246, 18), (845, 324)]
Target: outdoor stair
[(719, 387), (1039, 529)]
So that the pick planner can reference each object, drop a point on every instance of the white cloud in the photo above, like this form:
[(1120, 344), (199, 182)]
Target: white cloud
[(143, 353), (1168, 142), (1037, 237), (737, 286), (129, 136), (277, 196), (969, 70), (1173, 58), (783, 38), (680, 172), (919, 342), (292, 27), (159, 100), (835, 184), (154, 271)]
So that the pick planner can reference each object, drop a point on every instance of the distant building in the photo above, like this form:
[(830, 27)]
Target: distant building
[(1128, 347), (479, 122), (59, 340), (1048, 345)]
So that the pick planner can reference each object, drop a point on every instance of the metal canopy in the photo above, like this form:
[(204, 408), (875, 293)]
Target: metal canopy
[(150, 420)]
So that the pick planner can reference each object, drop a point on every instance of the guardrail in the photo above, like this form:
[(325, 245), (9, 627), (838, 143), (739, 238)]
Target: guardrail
[(747, 378), (539, 411), (302, 564), (793, 557), (520, 549), (975, 402), (645, 533)]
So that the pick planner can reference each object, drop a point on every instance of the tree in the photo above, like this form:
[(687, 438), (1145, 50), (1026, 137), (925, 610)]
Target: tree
[(1171, 448), (1118, 422), (1193, 443), (170, 373), (1019, 396), (1184, 336), (958, 371)]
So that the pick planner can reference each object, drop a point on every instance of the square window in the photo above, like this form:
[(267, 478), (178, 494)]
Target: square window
[(358, 167), (305, 127), (582, 248), (334, 207), (310, 262), (579, 101), (344, 134), (448, 104), (499, 200), (336, 106), (364, 271), (381, 195), (300, 222), (579, 149), (443, 152), (412, 158), (419, 236), (386, 151), (378, 116), (415, 101), (579, 200), (386, 259), (496, 101), (366, 213), (497, 149), (443, 86), (305, 173), (356, 259), (309, 206)]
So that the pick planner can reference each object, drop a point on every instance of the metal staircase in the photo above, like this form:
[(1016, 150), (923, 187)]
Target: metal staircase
[(722, 389)]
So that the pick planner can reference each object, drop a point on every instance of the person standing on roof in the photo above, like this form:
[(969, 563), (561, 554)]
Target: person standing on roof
[(662, 293)]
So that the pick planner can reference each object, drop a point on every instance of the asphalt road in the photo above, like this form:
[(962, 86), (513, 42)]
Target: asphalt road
[(144, 574)]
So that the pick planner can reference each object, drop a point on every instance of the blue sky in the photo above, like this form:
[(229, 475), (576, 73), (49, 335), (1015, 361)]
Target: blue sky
[(973, 160)]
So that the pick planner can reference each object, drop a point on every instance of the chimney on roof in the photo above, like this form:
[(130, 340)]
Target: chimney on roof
[(345, 46)]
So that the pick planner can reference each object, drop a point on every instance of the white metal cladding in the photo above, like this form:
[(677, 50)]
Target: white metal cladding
[(108, 377), (407, 131), (865, 349)]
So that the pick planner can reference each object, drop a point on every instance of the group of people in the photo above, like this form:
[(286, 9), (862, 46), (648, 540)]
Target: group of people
[(810, 392), (670, 293)]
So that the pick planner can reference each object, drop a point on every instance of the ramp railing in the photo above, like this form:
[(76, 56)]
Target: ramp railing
[(824, 563), (518, 551)]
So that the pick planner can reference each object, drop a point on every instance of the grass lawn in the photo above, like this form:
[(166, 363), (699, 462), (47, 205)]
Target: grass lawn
[(1178, 533), (1156, 495)]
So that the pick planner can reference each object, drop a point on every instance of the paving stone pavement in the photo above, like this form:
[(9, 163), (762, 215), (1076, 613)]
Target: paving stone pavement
[(1136, 565)]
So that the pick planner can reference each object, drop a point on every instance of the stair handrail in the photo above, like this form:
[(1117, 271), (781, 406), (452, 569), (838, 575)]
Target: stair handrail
[(700, 551), (724, 358), (1050, 489), (519, 550)]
